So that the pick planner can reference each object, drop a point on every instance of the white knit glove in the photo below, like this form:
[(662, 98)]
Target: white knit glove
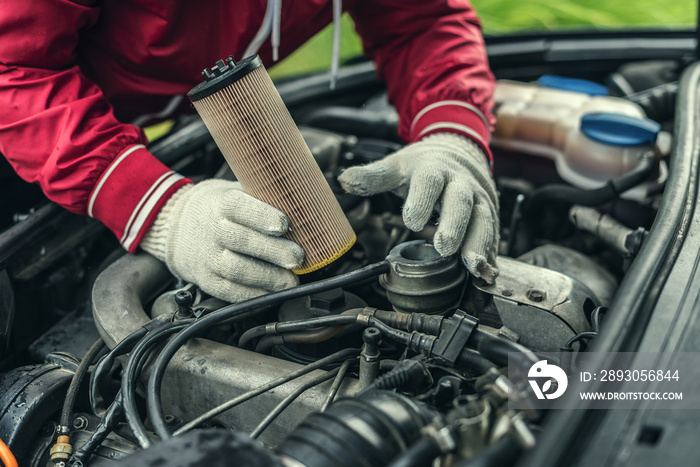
[(450, 170), (225, 241)]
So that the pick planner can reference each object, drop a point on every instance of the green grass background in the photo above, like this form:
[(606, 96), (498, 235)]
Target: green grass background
[(504, 16)]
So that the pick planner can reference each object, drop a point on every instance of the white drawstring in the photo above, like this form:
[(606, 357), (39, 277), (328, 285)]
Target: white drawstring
[(262, 34), (337, 29), (276, 21), (272, 25)]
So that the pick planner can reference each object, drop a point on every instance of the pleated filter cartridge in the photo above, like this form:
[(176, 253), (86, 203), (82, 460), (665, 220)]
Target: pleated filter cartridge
[(252, 127)]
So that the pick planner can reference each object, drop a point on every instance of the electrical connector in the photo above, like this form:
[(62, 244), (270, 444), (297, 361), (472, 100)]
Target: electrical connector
[(453, 337)]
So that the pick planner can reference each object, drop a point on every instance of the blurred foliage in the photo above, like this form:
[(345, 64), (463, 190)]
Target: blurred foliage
[(499, 16), (315, 55), (158, 130), (507, 16)]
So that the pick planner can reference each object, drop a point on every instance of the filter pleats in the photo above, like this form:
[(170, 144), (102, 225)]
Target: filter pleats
[(268, 155)]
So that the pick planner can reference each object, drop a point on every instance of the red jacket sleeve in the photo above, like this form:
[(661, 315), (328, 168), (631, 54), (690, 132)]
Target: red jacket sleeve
[(431, 55), (58, 130)]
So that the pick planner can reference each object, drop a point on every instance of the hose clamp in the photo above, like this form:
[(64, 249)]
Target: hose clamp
[(365, 315)]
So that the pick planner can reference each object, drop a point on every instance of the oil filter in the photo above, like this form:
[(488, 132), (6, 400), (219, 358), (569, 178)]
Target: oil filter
[(253, 129)]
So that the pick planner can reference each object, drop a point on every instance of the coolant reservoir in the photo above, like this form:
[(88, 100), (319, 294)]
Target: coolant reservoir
[(590, 138)]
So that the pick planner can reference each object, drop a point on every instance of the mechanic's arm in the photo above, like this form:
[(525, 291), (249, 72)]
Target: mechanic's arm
[(58, 130), (431, 54)]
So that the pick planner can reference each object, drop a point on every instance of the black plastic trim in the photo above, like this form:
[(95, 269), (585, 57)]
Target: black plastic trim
[(233, 72)]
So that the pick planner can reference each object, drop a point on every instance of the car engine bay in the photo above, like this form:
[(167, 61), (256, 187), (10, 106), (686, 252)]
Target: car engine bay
[(392, 354)]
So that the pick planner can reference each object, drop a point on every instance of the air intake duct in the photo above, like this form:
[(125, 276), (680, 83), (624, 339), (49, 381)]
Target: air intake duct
[(253, 129), (364, 431)]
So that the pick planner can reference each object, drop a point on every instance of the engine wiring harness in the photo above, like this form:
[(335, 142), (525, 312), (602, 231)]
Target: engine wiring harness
[(452, 347)]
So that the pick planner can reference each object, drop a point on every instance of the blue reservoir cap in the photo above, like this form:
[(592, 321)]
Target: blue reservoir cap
[(619, 130), (571, 84)]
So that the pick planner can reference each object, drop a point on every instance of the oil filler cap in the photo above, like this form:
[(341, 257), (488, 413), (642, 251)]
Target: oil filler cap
[(619, 130)]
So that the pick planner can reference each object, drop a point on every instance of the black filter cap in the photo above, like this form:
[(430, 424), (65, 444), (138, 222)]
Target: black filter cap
[(223, 74)]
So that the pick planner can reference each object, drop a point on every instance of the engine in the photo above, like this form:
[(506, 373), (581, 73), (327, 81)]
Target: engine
[(391, 355)]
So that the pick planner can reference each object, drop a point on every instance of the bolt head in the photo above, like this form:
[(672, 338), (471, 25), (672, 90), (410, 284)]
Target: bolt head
[(80, 423), (170, 420), (536, 295)]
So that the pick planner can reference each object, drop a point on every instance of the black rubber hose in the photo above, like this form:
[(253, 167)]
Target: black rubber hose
[(83, 367), (318, 364), (270, 417), (393, 334), (104, 365), (181, 143), (252, 334), (497, 349), (578, 337), (421, 454), (368, 430), (335, 387), (659, 102), (356, 121), (131, 373), (312, 336), (595, 317), (236, 311), (286, 332), (502, 453), (267, 342), (347, 317), (111, 418), (571, 195), (407, 374), (470, 359)]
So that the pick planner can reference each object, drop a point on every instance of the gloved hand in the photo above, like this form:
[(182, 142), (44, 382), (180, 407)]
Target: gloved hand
[(450, 170), (225, 241)]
